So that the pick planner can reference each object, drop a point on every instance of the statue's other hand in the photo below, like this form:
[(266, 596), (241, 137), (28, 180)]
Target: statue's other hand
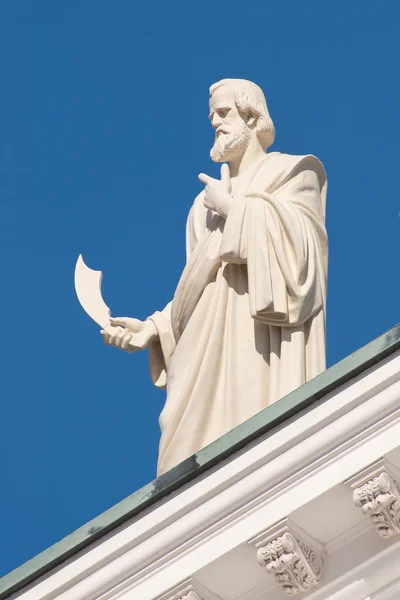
[(133, 325), (129, 334)]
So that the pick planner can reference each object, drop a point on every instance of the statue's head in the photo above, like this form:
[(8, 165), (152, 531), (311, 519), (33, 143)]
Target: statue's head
[(239, 114)]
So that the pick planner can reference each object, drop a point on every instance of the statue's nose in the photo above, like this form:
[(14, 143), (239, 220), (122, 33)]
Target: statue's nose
[(215, 120)]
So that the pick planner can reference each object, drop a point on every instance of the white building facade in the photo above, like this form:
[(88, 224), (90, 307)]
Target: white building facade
[(301, 500)]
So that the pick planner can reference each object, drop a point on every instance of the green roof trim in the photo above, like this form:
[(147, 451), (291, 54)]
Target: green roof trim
[(231, 442)]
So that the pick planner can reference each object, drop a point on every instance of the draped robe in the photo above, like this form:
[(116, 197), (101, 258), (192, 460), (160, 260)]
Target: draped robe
[(247, 322)]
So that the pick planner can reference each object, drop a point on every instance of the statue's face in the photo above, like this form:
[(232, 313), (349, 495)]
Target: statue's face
[(231, 131)]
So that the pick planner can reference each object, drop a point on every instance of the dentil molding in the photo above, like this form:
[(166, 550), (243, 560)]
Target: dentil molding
[(377, 492), (292, 556)]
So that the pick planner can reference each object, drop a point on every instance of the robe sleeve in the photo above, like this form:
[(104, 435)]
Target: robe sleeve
[(282, 238), (162, 348)]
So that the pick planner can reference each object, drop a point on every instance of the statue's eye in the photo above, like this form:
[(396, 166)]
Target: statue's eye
[(223, 112)]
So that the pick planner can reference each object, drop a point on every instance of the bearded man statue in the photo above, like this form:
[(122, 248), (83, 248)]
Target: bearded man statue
[(246, 325)]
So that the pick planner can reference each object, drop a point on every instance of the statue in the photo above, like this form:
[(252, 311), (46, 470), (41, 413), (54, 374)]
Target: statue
[(246, 325)]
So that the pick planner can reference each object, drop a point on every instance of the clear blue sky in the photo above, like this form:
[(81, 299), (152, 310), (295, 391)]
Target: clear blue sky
[(104, 129)]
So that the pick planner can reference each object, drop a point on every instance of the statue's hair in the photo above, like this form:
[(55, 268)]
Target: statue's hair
[(249, 98)]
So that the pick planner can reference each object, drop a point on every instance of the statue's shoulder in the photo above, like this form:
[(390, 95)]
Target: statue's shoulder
[(293, 161), (289, 165)]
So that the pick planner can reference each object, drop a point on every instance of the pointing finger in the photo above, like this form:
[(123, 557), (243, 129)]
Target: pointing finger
[(206, 179), (226, 176), (225, 172)]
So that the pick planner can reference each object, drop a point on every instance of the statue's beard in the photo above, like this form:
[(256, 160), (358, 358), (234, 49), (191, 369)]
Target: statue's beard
[(228, 146)]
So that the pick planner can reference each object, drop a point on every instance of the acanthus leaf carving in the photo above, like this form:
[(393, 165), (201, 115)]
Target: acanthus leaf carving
[(296, 566), (380, 498)]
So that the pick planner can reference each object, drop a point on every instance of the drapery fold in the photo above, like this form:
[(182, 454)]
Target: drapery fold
[(247, 322), (162, 348), (279, 237)]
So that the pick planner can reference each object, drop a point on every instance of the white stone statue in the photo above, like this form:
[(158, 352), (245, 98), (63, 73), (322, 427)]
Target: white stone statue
[(247, 322)]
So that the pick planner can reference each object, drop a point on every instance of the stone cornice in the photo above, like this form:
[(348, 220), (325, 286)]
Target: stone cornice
[(232, 503), (88, 535)]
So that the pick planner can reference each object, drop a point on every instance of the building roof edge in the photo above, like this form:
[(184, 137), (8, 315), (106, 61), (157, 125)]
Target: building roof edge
[(253, 428)]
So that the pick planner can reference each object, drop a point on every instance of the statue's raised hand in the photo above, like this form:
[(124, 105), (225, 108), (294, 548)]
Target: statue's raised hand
[(130, 334), (217, 195)]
